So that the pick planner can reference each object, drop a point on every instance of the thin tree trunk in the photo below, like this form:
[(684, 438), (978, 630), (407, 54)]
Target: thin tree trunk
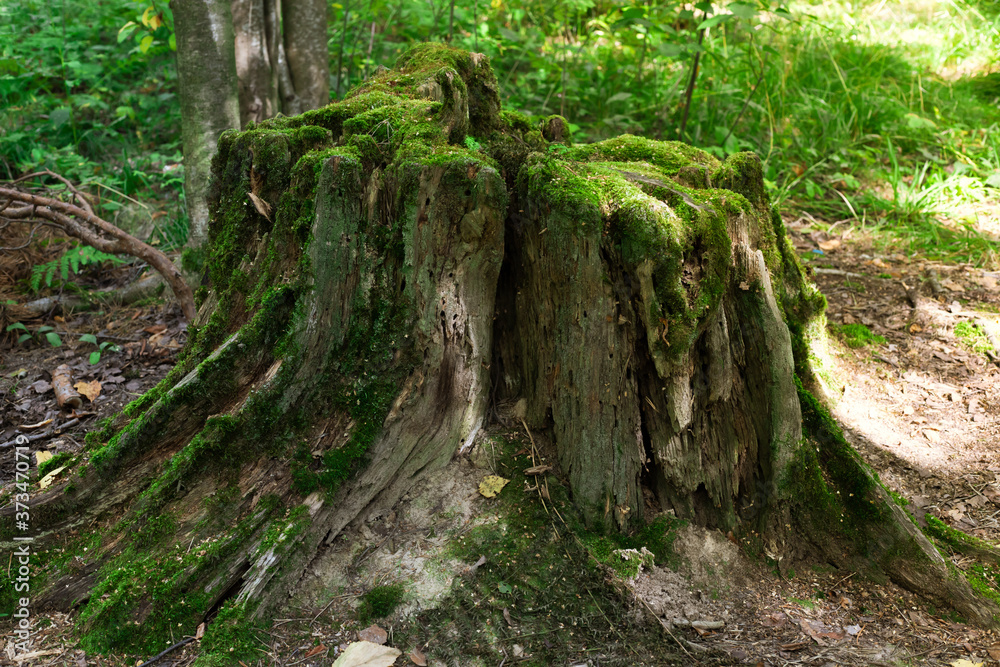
[(258, 94), (304, 32), (206, 72)]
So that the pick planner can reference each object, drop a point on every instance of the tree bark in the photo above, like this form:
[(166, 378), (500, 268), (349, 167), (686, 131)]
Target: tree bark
[(305, 23), (258, 90), (209, 102), (384, 275), (241, 63)]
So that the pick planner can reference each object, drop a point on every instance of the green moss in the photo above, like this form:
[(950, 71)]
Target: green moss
[(668, 156), (234, 635), (380, 601), (547, 578), (972, 337), (743, 173), (829, 482), (673, 237), (57, 461), (626, 553), (163, 587), (858, 335)]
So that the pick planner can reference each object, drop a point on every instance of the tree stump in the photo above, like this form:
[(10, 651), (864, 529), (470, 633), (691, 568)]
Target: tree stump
[(379, 269)]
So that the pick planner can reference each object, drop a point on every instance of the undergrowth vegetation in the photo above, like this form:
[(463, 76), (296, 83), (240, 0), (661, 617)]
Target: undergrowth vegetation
[(101, 113)]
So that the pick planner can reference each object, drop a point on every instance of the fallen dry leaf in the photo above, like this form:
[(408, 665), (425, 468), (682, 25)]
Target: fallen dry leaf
[(46, 482), (367, 654), (492, 485), (827, 246), (965, 663), (262, 206), (315, 650), (418, 658), (373, 634), (200, 632), (89, 389), (42, 456)]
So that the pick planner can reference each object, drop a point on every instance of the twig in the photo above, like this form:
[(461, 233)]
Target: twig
[(689, 93), (183, 642), (65, 181), (663, 625), (89, 228), (534, 463)]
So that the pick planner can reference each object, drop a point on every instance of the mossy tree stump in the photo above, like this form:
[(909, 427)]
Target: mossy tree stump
[(379, 270)]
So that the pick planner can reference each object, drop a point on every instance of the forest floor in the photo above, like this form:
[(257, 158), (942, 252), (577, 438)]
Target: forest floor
[(919, 396)]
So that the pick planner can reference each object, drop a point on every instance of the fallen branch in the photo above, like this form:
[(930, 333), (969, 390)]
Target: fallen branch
[(62, 385), (82, 223)]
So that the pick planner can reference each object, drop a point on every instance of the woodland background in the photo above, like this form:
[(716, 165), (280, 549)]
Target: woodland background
[(880, 115)]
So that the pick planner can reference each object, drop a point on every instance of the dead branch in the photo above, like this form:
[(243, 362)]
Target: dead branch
[(82, 223)]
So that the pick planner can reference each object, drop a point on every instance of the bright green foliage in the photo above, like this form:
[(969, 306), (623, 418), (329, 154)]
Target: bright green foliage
[(972, 337), (71, 260), (858, 335), (100, 112), (855, 126)]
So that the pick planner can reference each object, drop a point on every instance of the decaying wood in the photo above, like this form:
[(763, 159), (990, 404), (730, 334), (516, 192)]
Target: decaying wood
[(82, 223), (355, 329), (62, 385)]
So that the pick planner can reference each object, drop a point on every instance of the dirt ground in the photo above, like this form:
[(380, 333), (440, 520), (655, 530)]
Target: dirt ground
[(922, 405)]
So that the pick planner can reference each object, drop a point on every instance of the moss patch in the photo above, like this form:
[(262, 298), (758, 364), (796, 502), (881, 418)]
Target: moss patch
[(858, 335), (547, 578), (380, 601)]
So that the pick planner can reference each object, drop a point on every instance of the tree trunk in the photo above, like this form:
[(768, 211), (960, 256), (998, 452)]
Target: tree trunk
[(233, 70), (374, 274), (257, 81), (305, 23), (207, 84)]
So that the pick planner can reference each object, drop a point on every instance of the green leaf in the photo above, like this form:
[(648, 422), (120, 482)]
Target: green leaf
[(58, 117), (126, 31), (16, 326), (53, 338), (45, 328), (94, 357), (619, 97), (146, 42), (742, 10), (713, 21), (504, 588), (173, 42), (88, 338), (22, 338)]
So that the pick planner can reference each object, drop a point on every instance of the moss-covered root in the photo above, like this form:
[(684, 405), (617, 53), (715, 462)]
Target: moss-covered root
[(841, 507)]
